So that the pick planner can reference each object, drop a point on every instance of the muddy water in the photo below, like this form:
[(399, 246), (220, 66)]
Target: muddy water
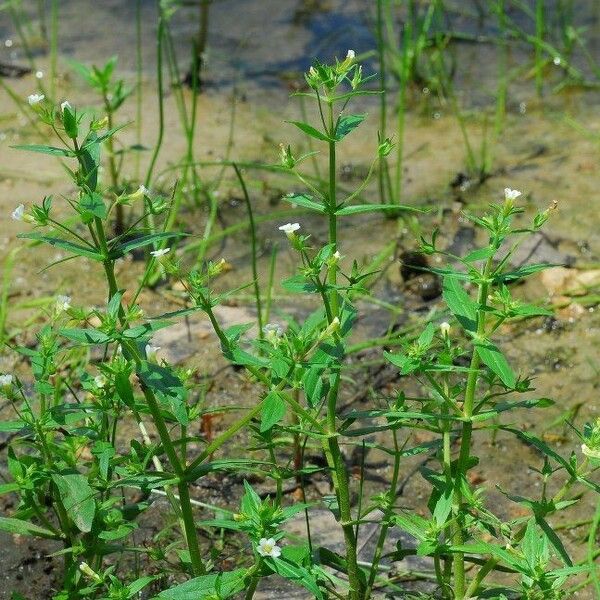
[(539, 152)]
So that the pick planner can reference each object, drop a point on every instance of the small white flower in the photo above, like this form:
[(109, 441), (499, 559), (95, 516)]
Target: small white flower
[(556, 60), (268, 547), (64, 105), (152, 352), (161, 252), (6, 381), (100, 381), (19, 213), (445, 328), (289, 229), (590, 451), (34, 99), (39, 74), (273, 332), (351, 55), (511, 194), (63, 303)]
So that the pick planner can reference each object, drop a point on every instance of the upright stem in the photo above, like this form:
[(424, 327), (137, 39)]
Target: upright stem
[(382, 98), (465, 444), (187, 514), (332, 193), (331, 445)]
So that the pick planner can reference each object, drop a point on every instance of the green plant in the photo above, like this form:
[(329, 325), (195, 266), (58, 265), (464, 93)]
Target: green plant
[(72, 470)]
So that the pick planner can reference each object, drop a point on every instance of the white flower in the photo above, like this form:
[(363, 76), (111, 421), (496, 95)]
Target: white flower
[(100, 381), (19, 213), (64, 105), (590, 451), (337, 255), (152, 352), (445, 328), (268, 547), (6, 381), (63, 303), (273, 332), (161, 252), (34, 99), (556, 60), (351, 55), (289, 229), (511, 194)]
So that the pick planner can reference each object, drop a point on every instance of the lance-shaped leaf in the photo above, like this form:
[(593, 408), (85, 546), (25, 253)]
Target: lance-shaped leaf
[(305, 201), (52, 150), (122, 248), (78, 249), (460, 303), (168, 388), (77, 497), (310, 130), (86, 336), (347, 124), (24, 528), (273, 410), (496, 361), (225, 584)]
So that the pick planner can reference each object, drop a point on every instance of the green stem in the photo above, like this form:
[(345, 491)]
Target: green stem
[(159, 422), (465, 444), (253, 249), (386, 518)]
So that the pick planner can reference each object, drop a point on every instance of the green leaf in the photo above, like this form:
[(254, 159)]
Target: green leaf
[(460, 303), (273, 410), (405, 363), (89, 156), (140, 331), (495, 360), (298, 284), (356, 209), (310, 130), (24, 528), (225, 584), (11, 426), (240, 357), (45, 149), (136, 586), (168, 388), (77, 249), (522, 272), (296, 573), (141, 241), (93, 204), (85, 336), (347, 124), (306, 201), (78, 498)]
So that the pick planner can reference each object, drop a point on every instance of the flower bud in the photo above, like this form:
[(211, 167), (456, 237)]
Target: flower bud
[(89, 572), (385, 147), (445, 329), (287, 159), (332, 328)]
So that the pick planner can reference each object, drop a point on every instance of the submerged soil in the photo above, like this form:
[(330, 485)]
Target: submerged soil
[(549, 149)]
